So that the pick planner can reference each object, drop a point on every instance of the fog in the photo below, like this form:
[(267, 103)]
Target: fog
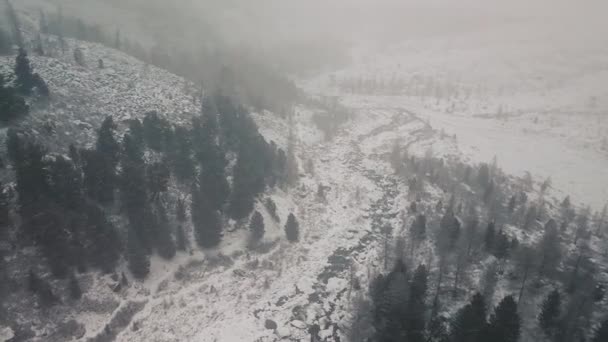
[(291, 32)]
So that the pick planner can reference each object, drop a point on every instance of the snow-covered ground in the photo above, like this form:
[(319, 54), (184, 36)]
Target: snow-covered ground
[(535, 100)]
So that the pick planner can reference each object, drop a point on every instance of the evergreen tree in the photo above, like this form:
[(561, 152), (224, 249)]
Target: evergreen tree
[(180, 154), (501, 245), (180, 211), (483, 176), (139, 264), (23, 73), (12, 105), (158, 175), (512, 203), (601, 334), (418, 228), (154, 128), (505, 324), (249, 177), (530, 218), (490, 236), (206, 220), (162, 236), (550, 314), (550, 248), (470, 321), (257, 226), (292, 228), (416, 309), (42, 289), (79, 57), (74, 288), (180, 238), (103, 245)]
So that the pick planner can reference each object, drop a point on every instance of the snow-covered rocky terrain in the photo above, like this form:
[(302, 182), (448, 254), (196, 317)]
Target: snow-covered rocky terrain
[(347, 194)]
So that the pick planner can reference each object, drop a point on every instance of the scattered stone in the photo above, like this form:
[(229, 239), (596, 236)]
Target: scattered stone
[(270, 324), (298, 324), (283, 332)]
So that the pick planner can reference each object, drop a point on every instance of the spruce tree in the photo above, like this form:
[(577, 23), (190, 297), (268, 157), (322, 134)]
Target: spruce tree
[(257, 226), (139, 264), (163, 240), (548, 318), (416, 308), (180, 211), (180, 238), (103, 245), (418, 228), (74, 288), (505, 324), (206, 220), (23, 73), (490, 236), (292, 228), (470, 321), (12, 105)]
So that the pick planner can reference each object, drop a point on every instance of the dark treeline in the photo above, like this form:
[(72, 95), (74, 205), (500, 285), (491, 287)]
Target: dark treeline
[(485, 236), (88, 209)]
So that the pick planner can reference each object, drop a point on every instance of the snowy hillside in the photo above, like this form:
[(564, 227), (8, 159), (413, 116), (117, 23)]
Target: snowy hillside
[(82, 96), (386, 153)]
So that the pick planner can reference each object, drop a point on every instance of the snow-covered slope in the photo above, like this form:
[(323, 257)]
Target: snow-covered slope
[(82, 96)]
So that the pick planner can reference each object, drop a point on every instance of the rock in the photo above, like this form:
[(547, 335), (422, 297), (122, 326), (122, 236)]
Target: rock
[(283, 332), (6, 333), (270, 324), (298, 324)]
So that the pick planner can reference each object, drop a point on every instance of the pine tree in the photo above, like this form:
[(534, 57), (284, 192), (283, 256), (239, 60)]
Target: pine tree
[(483, 176), (42, 289), (470, 321), (501, 245), (206, 220), (79, 57), (418, 228), (512, 203), (416, 309), (505, 324), (490, 236), (180, 211), (550, 314), (257, 226), (12, 105), (180, 154), (23, 73), (550, 248), (74, 288), (601, 334), (103, 244), (292, 228), (180, 238), (139, 264), (163, 240)]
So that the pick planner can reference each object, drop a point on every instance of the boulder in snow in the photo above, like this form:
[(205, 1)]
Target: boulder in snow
[(270, 324)]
